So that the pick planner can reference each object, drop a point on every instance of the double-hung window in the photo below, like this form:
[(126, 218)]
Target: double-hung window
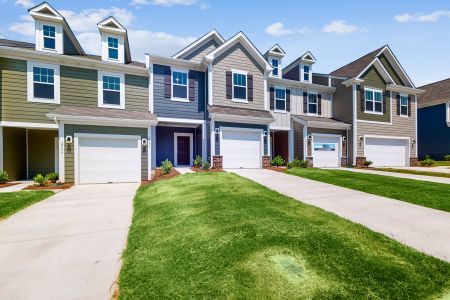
[(280, 99), (111, 90), (113, 48), (180, 85), (49, 33), (403, 105), (306, 73), (43, 83), (276, 68), (373, 101), (239, 86), (312, 103)]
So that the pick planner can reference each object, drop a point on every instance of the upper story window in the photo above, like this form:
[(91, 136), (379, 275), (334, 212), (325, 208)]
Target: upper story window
[(312, 103), (404, 105), (306, 73), (111, 90), (373, 101), (280, 99), (43, 82), (276, 67), (179, 85), (49, 34), (239, 86), (113, 48)]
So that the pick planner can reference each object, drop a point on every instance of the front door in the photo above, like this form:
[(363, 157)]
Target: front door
[(183, 150)]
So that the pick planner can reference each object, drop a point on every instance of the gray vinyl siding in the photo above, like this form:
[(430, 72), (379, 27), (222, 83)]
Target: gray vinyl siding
[(69, 47), (198, 54), (238, 125), (136, 93), (322, 80), (165, 107), (298, 141), (238, 58), (342, 102), (69, 150)]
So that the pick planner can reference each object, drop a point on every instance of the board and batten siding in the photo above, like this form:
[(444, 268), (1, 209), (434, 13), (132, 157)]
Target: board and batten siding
[(165, 107), (237, 58), (69, 150), (198, 54)]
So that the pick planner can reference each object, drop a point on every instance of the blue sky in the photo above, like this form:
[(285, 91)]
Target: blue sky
[(336, 32)]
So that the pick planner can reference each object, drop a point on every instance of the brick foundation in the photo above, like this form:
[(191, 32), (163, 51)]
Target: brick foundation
[(217, 162), (413, 162), (266, 162), (360, 162), (310, 162), (344, 162)]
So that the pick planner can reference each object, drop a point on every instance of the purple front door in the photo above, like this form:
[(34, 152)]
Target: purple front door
[(183, 154)]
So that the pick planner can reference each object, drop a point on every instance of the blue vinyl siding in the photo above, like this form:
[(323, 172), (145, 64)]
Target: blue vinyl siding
[(433, 132), (69, 47), (238, 125), (164, 107)]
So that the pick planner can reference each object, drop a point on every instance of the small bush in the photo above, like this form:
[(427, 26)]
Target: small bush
[(427, 162), (4, 177), (298, 163), (166, 167), (277, 161), (53, 177), (206, 165), (198, 161), (368, 163), (41, 180), (447, 157)]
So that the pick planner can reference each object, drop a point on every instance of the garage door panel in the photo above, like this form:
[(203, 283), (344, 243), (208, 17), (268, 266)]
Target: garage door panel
[(241, 149), (386, 152), (326, 151)]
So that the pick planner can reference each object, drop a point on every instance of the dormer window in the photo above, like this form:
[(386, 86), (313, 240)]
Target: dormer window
[(306, 73), (49, 33), (275, 66), (113, 48)]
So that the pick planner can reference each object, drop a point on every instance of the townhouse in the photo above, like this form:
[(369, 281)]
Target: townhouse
[(98, 119)]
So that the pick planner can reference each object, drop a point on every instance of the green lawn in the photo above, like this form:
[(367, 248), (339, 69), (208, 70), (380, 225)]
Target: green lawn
[(429, 194), (15, 201), (414, 172), (443, 163), (217, 235)]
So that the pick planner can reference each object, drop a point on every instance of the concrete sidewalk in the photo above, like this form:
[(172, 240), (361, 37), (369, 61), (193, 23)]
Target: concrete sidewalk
[(401, 175), (422, 228), (16, 187), (68, 246)]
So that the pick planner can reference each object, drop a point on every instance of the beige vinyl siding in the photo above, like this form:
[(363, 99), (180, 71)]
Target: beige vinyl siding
[(282, 120), (14, 153), (136, 93), (69, 149), (41, 152), (198, 54), (238, 58)]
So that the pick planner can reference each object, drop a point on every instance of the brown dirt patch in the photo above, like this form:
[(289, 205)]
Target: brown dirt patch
[(3, 185), (200, 170), (50, 186), (159, 176)]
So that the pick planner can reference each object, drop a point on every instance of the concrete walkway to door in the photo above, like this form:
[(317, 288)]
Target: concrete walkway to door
[(68, 246), (422, 228)]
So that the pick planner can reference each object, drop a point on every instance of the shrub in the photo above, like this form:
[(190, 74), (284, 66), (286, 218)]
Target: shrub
[(206, 165), (166, 167), (298, 163), (427, 162), (367, 163), (277, 161), (4, 177), (41, 180), (53, 177), (198, 161), (447, 157)]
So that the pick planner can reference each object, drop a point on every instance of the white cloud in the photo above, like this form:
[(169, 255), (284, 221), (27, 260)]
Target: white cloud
[(164, 2), (278, 29), (25, 3), (432, 17), (339, 27), (26, 27)]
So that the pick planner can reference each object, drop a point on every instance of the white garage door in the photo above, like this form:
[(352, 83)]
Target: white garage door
[(241, 149), (386, 152), (325, 151), (108, 159)]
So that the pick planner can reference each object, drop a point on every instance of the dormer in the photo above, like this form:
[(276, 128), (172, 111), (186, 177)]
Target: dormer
[(114, 39), (306, 62), (274, 56)]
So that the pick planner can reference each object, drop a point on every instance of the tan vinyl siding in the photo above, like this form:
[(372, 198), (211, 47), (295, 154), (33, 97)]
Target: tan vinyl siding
[(373, 79), (136, 93), (387, 65), (41, 152), (69, 149), (198, 54), (14, 153), (79, 87), (238, 58), (342, 102)]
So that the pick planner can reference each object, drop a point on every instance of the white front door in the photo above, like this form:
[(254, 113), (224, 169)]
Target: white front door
[(325, 150), (241, 148), (108, 160), (386, 152)]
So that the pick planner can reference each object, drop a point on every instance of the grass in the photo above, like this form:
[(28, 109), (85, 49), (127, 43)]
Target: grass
[(414, 172), (217, 235), (12, 202), (429, 194), (442, 163)]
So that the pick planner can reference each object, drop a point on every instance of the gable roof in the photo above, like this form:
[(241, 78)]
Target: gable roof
[(435, 93), (355, 67), (213, 34), (275, 50), (110, 24), (241, 38), (307, 57)]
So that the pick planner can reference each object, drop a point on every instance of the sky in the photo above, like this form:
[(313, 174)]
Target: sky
[(336, 32)]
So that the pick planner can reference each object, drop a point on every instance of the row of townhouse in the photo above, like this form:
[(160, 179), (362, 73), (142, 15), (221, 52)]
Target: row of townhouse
[(110, 119)]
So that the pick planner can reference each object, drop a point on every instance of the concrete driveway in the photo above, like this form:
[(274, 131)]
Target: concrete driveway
[(422, 228), (68, 246)]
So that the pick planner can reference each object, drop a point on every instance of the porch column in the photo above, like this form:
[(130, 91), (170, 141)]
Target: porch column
[(212, 139), (153, 146), (149, 152), (204, 141), (1, 148), (61, 143), (291, 142), (305, 142), (269, 153)]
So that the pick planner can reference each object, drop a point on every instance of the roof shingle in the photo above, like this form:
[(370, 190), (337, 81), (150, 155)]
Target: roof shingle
[(435, 93), (357, 66)]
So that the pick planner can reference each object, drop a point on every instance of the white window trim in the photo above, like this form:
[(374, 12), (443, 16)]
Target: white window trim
[(275, 99), (100, 90), (30, 83), (105, 48), (317, 104), (279, 66), (407, 106), (246, 86), (175, 147), (187, 85), (365, 106), (40, 37), (302, 72), (448, 114)]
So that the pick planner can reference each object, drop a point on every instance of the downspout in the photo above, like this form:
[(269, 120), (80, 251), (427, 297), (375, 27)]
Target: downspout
[(355, 142)]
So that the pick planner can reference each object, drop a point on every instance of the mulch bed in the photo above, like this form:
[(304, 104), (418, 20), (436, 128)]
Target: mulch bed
[(200, 170), (278, 169), (3, 185), (50, 186), (159, 176)]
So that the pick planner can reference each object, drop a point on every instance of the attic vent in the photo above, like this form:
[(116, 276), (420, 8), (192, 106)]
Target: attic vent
[(47, 11), (111, 24), (276, 50), (308, 57)]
